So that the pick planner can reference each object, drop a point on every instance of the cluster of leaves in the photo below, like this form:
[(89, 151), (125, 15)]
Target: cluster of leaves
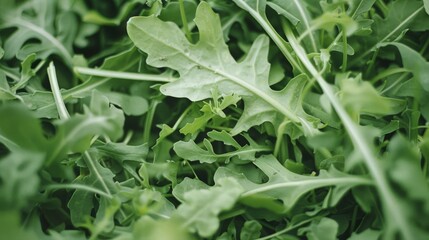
[(243, 119)]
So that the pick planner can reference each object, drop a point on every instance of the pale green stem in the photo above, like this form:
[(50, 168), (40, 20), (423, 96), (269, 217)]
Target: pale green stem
[(77, 187), (61, 107), (123, 75), (184, 20)]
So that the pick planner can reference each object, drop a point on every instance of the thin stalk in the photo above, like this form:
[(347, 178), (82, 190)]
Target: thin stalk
[(75, 186), (149, 120), (184, 20), (52, 75), (279, 140), (387, 73), (344, 35), (123, 75)]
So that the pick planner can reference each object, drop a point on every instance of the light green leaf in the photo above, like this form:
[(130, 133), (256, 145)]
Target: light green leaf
[(288, 186), (426, 4), (154, 229), (132, 105), (200, 209), (82, 202), (224, 137), (40, 26), (123, 152), (361, 97), (187, 185), (168, 47), (323, 229), (192, 152), (210, 110), (251, 230)]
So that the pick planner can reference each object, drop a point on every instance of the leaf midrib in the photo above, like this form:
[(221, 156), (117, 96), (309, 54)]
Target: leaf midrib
[(316, 181)]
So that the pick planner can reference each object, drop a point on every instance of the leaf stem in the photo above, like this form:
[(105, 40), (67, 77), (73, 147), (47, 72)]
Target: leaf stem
[(344, 35), (280, 137), (184, 20), (123, 75), (76, 186), (387, 73), (149, 120), (52, 75)]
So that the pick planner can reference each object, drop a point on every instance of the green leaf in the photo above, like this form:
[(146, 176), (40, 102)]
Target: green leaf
[(19, 178), (152, 229), (251, 230), (210, 110), (28, 136), (41, 27), (200, 209), (426, 4), (5, 91), (132, 105), (123, 152), (323, 229), (247, 78), (367, 234), (414, 62), (287, 186), (400, 17), (187, 185), (361, 97), (82, 202), (191, 151)]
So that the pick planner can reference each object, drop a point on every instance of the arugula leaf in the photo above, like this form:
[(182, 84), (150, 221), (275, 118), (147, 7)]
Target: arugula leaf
[(286, 185), (41, 26), (191, 151), (223, 72), (200, 208)]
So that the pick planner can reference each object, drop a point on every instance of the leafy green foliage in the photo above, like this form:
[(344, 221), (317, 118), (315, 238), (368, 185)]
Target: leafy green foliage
[(223, 72), (186, 119)]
